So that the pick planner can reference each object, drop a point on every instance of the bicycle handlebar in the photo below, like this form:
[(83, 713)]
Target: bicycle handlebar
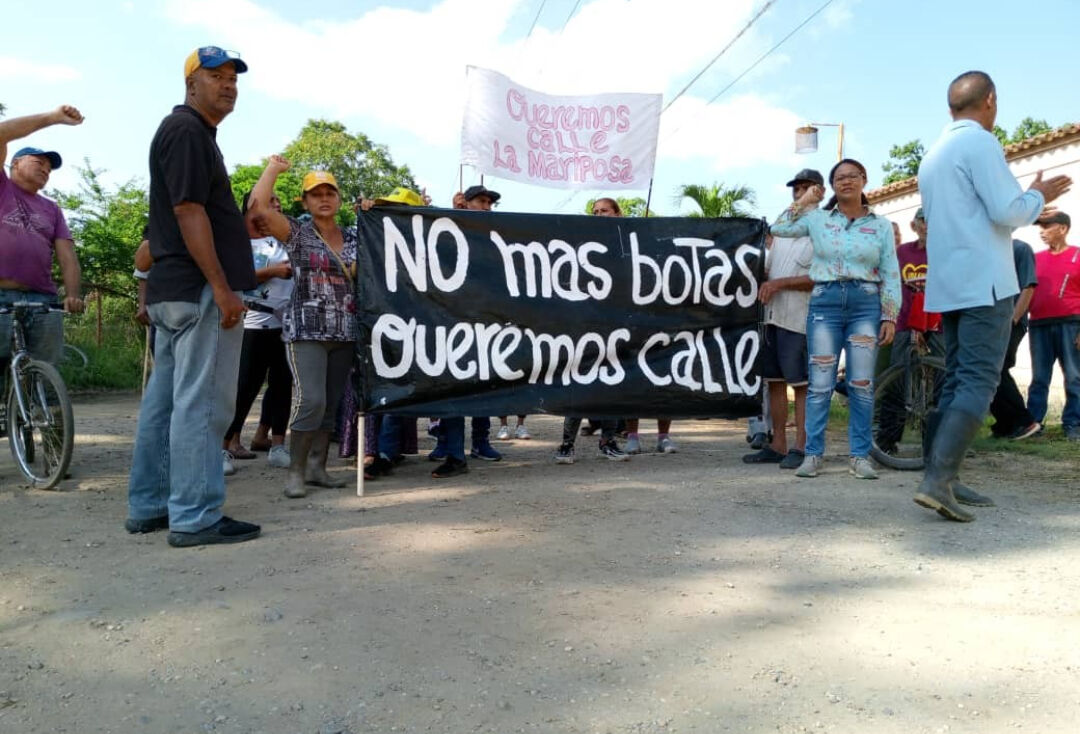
[(32, 306)]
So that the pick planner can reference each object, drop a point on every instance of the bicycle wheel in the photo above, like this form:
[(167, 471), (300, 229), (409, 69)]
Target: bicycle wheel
[(42, 439), (903, 399)]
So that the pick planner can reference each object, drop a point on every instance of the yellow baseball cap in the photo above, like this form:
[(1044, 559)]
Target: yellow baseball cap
[(211, 57), (401, 195), (318, 178)]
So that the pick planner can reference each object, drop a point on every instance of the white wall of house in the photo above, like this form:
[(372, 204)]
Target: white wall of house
[(1061, 160)]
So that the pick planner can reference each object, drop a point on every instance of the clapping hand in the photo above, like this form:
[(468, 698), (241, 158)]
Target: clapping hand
[(1051, 188)]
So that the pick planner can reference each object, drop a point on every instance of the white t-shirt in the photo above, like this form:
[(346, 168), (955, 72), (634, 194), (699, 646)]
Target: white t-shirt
[(273, 293)]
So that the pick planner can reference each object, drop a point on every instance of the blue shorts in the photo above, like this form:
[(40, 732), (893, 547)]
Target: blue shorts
[(784, 357)]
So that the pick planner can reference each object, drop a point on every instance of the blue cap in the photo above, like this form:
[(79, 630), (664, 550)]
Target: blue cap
[(211, 57), (52, 155)]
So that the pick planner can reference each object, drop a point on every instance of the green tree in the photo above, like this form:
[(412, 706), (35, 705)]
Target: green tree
[(903, 161), (1029, 127), (718, 200), (629, 206), (360, 166), (106, 225)]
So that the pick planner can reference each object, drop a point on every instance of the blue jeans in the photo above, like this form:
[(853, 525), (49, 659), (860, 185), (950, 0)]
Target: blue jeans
[(44, 333), (453, 429), (389, 441), (976, 340), (481, 429), (187, 407), (844, 314), (1055, 343)]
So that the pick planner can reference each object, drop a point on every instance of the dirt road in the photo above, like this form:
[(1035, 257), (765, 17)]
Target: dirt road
[(677, 593)]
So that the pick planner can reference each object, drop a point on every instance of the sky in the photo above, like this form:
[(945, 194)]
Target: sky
[(396, 72)]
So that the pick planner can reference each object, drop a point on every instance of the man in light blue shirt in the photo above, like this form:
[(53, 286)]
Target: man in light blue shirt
[(972, 203)]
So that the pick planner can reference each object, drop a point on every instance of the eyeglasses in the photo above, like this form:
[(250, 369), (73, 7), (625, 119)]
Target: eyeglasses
[(848, 177)]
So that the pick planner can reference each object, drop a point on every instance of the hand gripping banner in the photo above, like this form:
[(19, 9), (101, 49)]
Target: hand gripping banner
[(485, 313)]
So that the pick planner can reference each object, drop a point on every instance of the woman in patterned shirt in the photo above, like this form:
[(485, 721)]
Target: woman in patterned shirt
[(319, 325), (853, 306)]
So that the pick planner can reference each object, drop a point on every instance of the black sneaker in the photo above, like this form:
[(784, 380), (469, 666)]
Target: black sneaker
[(146, 526), (565, 454), (611, 451), (225, 530), (450, 468)]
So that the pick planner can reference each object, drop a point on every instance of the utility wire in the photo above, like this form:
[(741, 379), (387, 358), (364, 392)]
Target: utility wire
[(724, 50), (572, 11), (538, 11), (761, 58)]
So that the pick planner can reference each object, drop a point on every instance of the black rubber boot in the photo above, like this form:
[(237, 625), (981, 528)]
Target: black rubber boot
[(299, 447), (952, 435), (965, 495), (316, 469)]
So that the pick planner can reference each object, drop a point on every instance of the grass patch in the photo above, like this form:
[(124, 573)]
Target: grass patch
[(115, 364)]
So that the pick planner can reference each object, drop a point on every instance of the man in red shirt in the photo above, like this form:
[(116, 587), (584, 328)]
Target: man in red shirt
[(1055, 323)]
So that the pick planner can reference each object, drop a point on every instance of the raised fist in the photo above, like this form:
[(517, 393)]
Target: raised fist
[(67, 115), (278, 163)]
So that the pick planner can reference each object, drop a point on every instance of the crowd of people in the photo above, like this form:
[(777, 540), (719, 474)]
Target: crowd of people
[(242, 296)]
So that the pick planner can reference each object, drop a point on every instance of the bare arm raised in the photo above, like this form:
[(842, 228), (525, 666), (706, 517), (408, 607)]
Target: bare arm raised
[(20, 127), (270, 222)]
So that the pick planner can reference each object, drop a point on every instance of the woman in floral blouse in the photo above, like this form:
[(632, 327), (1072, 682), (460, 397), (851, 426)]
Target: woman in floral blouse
[(319, 325), (853, 306)]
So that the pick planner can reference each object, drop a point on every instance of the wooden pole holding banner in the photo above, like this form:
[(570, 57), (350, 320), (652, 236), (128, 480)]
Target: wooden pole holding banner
[(648, 198), (461, 177), (361, 450), (146, 360)]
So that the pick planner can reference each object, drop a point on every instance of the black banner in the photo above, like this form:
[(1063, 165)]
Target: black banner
[(484, 313)]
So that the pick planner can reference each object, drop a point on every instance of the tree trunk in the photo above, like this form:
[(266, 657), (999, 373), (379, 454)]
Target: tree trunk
[(97, 294)]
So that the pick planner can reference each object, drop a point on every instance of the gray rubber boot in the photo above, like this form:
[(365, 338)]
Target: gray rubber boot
[(964, 494), (316, 468), (952, 435), (299, 447)]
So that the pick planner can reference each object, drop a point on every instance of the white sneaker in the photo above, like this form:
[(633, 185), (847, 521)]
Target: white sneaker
[(278, 456), (809, 467), (633, 446), (227, 463), (861, 468), (503, 434), (666, 446), (522, 433)]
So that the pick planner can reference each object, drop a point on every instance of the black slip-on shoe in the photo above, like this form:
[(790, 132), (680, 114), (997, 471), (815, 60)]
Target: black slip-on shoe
[(767, 455), (225, 530), (149, 525)]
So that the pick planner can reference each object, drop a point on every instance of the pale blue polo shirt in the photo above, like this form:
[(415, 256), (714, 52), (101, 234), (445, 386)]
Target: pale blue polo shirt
[(972, 203)]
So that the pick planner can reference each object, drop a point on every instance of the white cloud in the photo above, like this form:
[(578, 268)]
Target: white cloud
[(743, 131), (406, 68), (13, 68)]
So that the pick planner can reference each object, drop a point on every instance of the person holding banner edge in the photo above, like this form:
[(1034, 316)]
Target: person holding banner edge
[(319, 325), (853, 306)]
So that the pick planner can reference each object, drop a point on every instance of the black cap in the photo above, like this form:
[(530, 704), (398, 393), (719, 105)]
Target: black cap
[(1055, 218), (473, 191), (808, 174)]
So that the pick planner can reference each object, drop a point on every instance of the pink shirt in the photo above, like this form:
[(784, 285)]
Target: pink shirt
[(29, 225), (1057, 296)]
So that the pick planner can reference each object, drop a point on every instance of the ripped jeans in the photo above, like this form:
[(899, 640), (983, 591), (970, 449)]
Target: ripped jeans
[(844, 314)]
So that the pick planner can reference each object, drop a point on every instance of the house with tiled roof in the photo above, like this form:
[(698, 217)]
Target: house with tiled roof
[(1054, 153)]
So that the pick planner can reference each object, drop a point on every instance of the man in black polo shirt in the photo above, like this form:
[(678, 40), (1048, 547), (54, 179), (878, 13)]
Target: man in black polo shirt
[(202, 259)]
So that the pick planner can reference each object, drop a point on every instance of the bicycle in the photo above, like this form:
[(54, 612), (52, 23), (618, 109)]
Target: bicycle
[(38, 419), (904, 396)]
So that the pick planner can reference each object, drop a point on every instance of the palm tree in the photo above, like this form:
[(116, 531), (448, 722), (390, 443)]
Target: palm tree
[(718, 200)]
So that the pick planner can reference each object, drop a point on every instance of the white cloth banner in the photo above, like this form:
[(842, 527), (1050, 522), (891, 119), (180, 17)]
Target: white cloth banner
[(599, 141)]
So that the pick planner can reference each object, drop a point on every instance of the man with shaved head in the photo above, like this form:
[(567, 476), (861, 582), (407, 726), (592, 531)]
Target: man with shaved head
[(972, 203)]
